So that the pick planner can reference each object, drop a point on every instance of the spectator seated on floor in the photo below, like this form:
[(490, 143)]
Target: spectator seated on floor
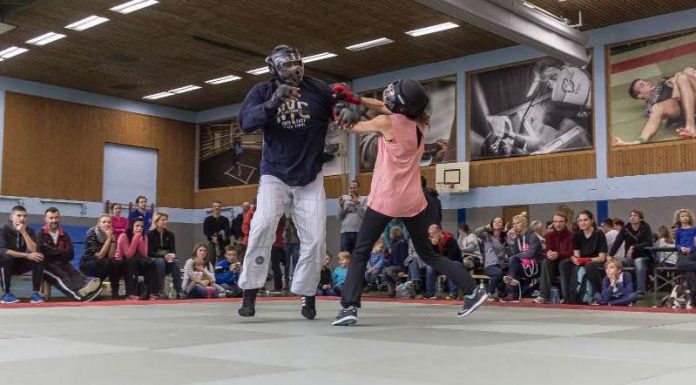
[(617, 286), (199, 282), (58, 251), (444, 243), (324, 287), (339, 273), (375, 265), (227, 272), (18, 255)]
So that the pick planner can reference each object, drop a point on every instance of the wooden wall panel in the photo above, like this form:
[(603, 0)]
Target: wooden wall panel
[(533, 169), (655, 158), (55, 149), (234, 196)]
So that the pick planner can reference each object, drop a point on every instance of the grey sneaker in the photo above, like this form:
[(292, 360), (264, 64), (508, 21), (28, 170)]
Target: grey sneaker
[(472, 302), (347, 316), (93, 285)]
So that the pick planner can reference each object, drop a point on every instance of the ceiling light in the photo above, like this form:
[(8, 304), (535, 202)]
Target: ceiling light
[(12, 52), (133, 6), (223, 79), (432, 29), (87, 22), (181, 90), (258, 71), (46, 38), (369, 44), (321, 56), (158, 96)]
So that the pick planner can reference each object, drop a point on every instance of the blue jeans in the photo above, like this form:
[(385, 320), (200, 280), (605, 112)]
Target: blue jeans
[(323, 292), (162, 268), (373, 278), (641, 267), (496, 273), (431, 283), (515, 267), (337, 289), (292, 253), (414, 271), (348, 241), (198, 291)]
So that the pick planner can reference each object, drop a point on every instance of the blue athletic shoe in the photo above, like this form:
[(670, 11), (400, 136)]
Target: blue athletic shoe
[(9, 298), (37, 298)]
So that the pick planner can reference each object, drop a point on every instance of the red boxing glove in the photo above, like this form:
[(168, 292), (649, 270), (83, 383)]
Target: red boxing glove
[(341, 91)]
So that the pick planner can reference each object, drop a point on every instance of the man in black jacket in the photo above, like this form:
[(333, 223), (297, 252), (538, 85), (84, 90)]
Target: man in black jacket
[(636, 235), (216, 228), (18, 255)]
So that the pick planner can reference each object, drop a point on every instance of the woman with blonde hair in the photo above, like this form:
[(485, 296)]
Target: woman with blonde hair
[(162, 249), (99, 252), (525, 253), (686, 248)]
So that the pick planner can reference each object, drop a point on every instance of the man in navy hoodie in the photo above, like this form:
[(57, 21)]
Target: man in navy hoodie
[(293, 111)]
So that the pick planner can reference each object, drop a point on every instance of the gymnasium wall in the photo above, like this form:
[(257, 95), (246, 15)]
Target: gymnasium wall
[(55, 149)]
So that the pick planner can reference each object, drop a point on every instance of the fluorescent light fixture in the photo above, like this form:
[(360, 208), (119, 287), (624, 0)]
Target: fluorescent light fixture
[(12, 52), (45, 38), (133, 6), (432, 29), (369, 44), (258, 71), (158, 96), (321, 56), (223, 79), (181, 90), (87, 22)]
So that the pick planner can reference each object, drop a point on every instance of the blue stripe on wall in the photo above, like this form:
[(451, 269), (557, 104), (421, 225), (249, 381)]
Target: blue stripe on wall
[(461, 216), (602, 210)]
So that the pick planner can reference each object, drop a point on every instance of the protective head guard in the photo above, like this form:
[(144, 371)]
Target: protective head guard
[(285, 63), (407, 97)]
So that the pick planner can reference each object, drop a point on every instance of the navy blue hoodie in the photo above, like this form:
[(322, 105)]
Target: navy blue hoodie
[(293, 138)]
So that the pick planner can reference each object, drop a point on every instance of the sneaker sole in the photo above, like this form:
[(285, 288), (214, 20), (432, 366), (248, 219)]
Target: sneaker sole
[(90, 297), (9, 302), (37, 302), (476, 306), (346, 321)]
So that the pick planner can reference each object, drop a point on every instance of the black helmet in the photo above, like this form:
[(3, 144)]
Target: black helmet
[(407, 97), (285, 63)]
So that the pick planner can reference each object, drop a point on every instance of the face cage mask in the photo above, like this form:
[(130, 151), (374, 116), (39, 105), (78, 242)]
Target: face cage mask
[(389, 97), (289, 68)]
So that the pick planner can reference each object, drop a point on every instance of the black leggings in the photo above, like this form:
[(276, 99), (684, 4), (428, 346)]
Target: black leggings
[(370, 230)]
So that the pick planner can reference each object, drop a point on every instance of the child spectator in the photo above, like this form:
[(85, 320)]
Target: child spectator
[(665, 240), (199, 282), (375, 265), (338, 276), (686, 263), (617, 286), (324, 287), (227, 272)]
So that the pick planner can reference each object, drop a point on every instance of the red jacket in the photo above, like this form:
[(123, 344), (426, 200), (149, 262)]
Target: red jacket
[(279, 233), (246, 225), (560, 242)]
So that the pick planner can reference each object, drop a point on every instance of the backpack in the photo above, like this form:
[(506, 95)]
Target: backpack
[(406, 290)]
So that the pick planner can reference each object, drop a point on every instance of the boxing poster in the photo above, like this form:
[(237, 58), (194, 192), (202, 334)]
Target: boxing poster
[(440, 136), (227, 156), (652, 83), (536, 107)]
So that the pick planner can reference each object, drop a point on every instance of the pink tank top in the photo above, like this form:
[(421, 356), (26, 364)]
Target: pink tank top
[(396, 186)]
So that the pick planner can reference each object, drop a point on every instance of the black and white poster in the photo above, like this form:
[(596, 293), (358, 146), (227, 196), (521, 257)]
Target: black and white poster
[(537, 107)]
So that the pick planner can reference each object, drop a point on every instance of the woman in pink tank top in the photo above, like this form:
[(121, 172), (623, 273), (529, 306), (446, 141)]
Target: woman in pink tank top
[(396, 189)]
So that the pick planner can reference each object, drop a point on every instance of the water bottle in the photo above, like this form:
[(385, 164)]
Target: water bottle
[(555, 295)]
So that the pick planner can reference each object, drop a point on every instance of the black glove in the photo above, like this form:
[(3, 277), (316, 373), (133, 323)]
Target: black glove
[(283, 92), (348, 117)]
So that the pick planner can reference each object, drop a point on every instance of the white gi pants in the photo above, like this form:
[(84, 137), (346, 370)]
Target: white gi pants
[(307, 205)]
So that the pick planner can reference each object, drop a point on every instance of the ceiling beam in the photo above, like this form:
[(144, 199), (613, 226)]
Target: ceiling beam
[(517, 22)]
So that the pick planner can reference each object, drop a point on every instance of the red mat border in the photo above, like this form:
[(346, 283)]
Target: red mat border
[(524, 305)]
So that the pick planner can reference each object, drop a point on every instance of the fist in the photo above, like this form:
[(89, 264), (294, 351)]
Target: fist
[(341, 91), (348, 117)]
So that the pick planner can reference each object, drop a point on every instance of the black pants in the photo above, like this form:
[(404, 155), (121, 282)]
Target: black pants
[(105, 268), (161, 269), (686, 264), (277, 257), (549, 270), (140, 266), (569, 273), (371, 229), (65, 278), (10, 266)]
